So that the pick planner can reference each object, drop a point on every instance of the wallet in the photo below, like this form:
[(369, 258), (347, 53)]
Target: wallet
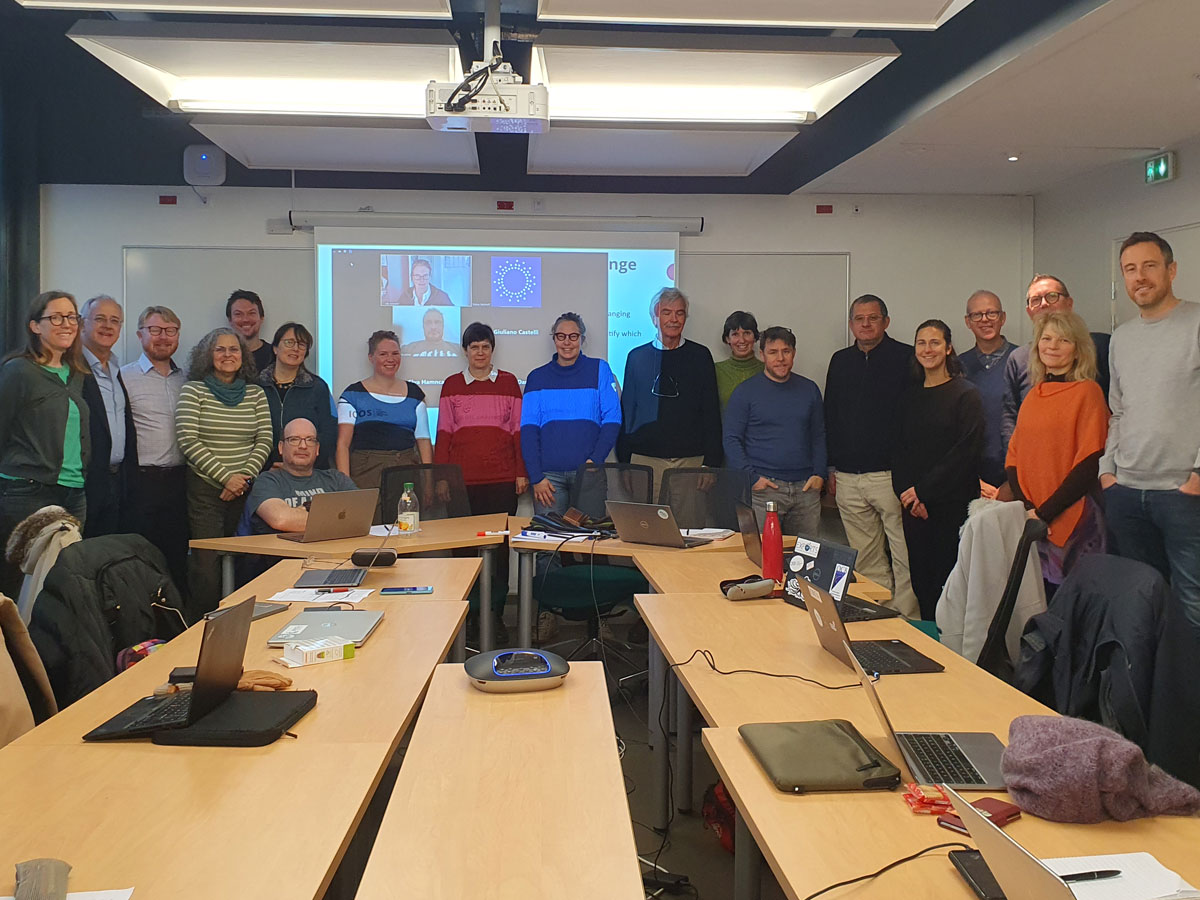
[(825, 755), (244, 719), (1001, 812)]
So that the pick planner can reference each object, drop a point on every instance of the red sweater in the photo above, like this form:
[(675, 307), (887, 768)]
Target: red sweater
[(479, 428)]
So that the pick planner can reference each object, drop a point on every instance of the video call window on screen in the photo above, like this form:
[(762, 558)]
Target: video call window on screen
[(429, 280)]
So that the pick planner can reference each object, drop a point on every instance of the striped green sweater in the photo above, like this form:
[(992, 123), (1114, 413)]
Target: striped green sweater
[(218, 440)]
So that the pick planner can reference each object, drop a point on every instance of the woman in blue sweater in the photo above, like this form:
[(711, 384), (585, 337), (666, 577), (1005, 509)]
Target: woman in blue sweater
[(570, 415)]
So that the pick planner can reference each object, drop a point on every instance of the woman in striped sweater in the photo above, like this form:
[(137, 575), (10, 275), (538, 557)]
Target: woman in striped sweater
[(223, 423)]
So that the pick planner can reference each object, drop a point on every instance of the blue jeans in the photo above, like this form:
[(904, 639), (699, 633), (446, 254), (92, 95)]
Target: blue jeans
[(1161, 529), (562, 482)]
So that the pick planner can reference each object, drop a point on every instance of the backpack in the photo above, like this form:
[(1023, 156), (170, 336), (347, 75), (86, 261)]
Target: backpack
[(717, 811)]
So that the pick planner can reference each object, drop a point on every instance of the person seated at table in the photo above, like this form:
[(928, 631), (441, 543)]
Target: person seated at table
[(1054, 454), (279, 500)]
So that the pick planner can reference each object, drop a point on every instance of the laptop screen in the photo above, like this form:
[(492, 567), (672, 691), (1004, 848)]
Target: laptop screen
[(751, 536), (826, 564)]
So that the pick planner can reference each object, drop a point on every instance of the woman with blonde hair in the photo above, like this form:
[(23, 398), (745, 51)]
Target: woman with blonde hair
[(1054, 455)]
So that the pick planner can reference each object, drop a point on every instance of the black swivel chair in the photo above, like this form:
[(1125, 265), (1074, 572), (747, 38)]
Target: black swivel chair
[(439, 486), (705, 497)]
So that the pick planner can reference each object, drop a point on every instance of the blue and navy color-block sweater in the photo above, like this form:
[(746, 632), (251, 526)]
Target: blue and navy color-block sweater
[(570, 414)]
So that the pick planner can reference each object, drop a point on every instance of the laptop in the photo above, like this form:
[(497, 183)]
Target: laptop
[(751, 536), (1018, 872), (830, 566), (349, 624), (967, 760), (649, 523), (319, 578), (885, 657), (222, 650), (338, 514)]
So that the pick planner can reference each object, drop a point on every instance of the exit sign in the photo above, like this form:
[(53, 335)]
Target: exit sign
[(1159, 168)]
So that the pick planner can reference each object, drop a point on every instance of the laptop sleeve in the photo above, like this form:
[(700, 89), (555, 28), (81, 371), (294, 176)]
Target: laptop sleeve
[(245, 719), (826, 755)]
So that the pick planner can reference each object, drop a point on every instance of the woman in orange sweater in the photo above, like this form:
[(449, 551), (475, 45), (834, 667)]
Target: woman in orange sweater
[(1054, 455)]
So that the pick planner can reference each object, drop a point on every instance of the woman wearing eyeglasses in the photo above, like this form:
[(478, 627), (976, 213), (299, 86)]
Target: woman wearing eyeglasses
[(223, 423), (296, 393), (44, 442), (571, 415)]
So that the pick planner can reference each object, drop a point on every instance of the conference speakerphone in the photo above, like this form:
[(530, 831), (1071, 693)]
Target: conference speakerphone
[(514, 671)]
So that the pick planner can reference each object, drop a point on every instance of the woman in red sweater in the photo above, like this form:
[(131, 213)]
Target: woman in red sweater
[(1054, 455)]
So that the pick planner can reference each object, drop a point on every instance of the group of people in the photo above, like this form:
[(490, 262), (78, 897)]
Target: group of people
[(1099, 441)]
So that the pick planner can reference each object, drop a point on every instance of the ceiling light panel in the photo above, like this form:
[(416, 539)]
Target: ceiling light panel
[(276, 70), (873, 14), (402, 9)]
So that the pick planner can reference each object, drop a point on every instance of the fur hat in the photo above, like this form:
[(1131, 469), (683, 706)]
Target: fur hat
[(29, 528)]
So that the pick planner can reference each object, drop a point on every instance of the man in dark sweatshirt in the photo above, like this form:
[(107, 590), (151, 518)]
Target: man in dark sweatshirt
[(671, 415)]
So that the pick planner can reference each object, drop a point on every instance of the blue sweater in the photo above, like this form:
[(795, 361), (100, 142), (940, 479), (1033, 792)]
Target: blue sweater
[(776, 430), (990, 384), (570, 414)]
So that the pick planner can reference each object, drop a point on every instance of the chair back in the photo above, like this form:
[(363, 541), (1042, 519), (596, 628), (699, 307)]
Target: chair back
[(439, 486), (704, 497), (994, 657), (597, 482)]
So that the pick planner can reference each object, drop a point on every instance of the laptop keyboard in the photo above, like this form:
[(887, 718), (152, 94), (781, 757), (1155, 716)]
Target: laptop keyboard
[(874, 658), (941, 758), (853, 613), (342, 577), (172, 711)]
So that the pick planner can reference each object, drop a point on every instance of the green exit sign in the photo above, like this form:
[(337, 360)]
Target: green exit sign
[(1159, 168)]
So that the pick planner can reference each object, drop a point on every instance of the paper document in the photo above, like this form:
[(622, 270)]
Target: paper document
[(1142, 878), (315, 595), (384, 530), (715, 534), (544, 537), (123, 894)]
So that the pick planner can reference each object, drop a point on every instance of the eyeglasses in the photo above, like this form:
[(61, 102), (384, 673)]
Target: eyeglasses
[(114, 321), (159, 330), (1050, 298), (867, 320), (992, 315), (664, 386), (571, 338), (59, 318), (228, 351), (299, 441), (289, 343)]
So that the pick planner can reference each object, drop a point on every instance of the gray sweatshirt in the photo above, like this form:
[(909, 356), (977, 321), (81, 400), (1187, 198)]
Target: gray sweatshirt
[(1154, 432)]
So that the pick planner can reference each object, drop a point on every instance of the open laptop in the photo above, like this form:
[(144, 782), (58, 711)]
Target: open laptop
[(830, 566), (338, 514), (313, 624), (886, 657), (751, 536), (1018, 872), (222, 649), (967, 760), (649, 523)]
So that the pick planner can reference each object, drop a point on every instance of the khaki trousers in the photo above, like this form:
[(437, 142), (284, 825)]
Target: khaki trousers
[(660, 464), (870, 514)]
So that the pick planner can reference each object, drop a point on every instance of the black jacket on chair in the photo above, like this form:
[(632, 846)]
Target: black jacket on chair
[(102, 596), (1173, 742), (97, 477)]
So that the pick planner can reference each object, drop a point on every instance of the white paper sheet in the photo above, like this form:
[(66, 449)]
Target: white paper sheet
[(123, 894), (316, 595), (1142, 878)]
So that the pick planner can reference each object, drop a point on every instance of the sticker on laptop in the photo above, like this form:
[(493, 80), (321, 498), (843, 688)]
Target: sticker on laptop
[(795, 563), (663, 514), (290, 630), (841, 576), (793, 589), (807, 547)]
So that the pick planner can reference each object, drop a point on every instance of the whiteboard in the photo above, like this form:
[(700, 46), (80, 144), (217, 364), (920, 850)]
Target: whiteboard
[(807, 292), (195, 281)]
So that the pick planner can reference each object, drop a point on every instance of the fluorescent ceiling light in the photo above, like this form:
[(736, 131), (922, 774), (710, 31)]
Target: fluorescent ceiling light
[(405, 9), (299, 96), (925, 15)]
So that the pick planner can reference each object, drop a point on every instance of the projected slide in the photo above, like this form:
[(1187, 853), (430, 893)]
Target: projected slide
[(428, 294)]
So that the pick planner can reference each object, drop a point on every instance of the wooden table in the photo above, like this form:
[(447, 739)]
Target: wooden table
[(203, 822), (435, 534), (529, 803)]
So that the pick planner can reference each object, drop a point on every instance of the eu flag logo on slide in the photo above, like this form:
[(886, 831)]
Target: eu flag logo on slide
[(517, 281)]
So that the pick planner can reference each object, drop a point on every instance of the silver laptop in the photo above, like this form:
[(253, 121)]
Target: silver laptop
[(1018, 872), (967, 760), (751, 536), (883, 657), (338, 514), (649, 523), (312, 624)]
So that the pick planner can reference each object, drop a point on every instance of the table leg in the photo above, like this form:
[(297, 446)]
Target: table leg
[(458, 650), (227, 580), (683, 748), (486, 625), (525, 560), (747, 862), (659, 749)]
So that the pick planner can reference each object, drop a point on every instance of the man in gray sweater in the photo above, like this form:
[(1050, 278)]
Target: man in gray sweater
[(1150, 471)]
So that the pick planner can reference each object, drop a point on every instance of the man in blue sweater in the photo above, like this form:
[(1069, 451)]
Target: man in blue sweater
[(775, 430), (983, 365)]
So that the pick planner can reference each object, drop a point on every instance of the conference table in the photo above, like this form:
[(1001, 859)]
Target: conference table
[(203, 822), (508, 795), (435, 535)]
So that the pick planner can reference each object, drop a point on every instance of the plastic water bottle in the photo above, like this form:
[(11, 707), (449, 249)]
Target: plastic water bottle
[(772, 547), (408, 511)]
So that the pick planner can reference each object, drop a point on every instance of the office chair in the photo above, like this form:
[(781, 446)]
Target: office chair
[(439, 486), (705, 497)]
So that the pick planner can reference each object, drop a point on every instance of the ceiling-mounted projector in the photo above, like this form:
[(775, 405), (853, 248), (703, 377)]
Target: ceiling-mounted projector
[(492, 98)]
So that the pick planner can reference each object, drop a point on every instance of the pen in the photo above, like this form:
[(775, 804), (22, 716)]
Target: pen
[(489, 533), (333, 590), (1091, 876)]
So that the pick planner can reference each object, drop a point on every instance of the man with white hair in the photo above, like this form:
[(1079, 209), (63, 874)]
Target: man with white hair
[(111, 431), (670, 408)]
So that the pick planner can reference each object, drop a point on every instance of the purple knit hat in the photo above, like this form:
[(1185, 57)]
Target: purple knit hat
[(1072, 770)]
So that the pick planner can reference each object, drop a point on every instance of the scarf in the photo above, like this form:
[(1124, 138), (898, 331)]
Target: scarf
[(230, 394)]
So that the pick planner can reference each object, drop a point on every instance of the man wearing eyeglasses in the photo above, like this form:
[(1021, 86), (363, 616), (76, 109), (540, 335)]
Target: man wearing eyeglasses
[(983, 365), (670, 409), (109, 421), (1045, 293), (156, 474), (279, 500)]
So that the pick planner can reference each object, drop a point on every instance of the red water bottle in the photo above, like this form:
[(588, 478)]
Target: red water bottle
[(772, 547)]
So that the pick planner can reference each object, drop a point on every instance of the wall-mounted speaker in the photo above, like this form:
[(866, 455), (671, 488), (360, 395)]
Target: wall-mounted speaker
[(203, 164)]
